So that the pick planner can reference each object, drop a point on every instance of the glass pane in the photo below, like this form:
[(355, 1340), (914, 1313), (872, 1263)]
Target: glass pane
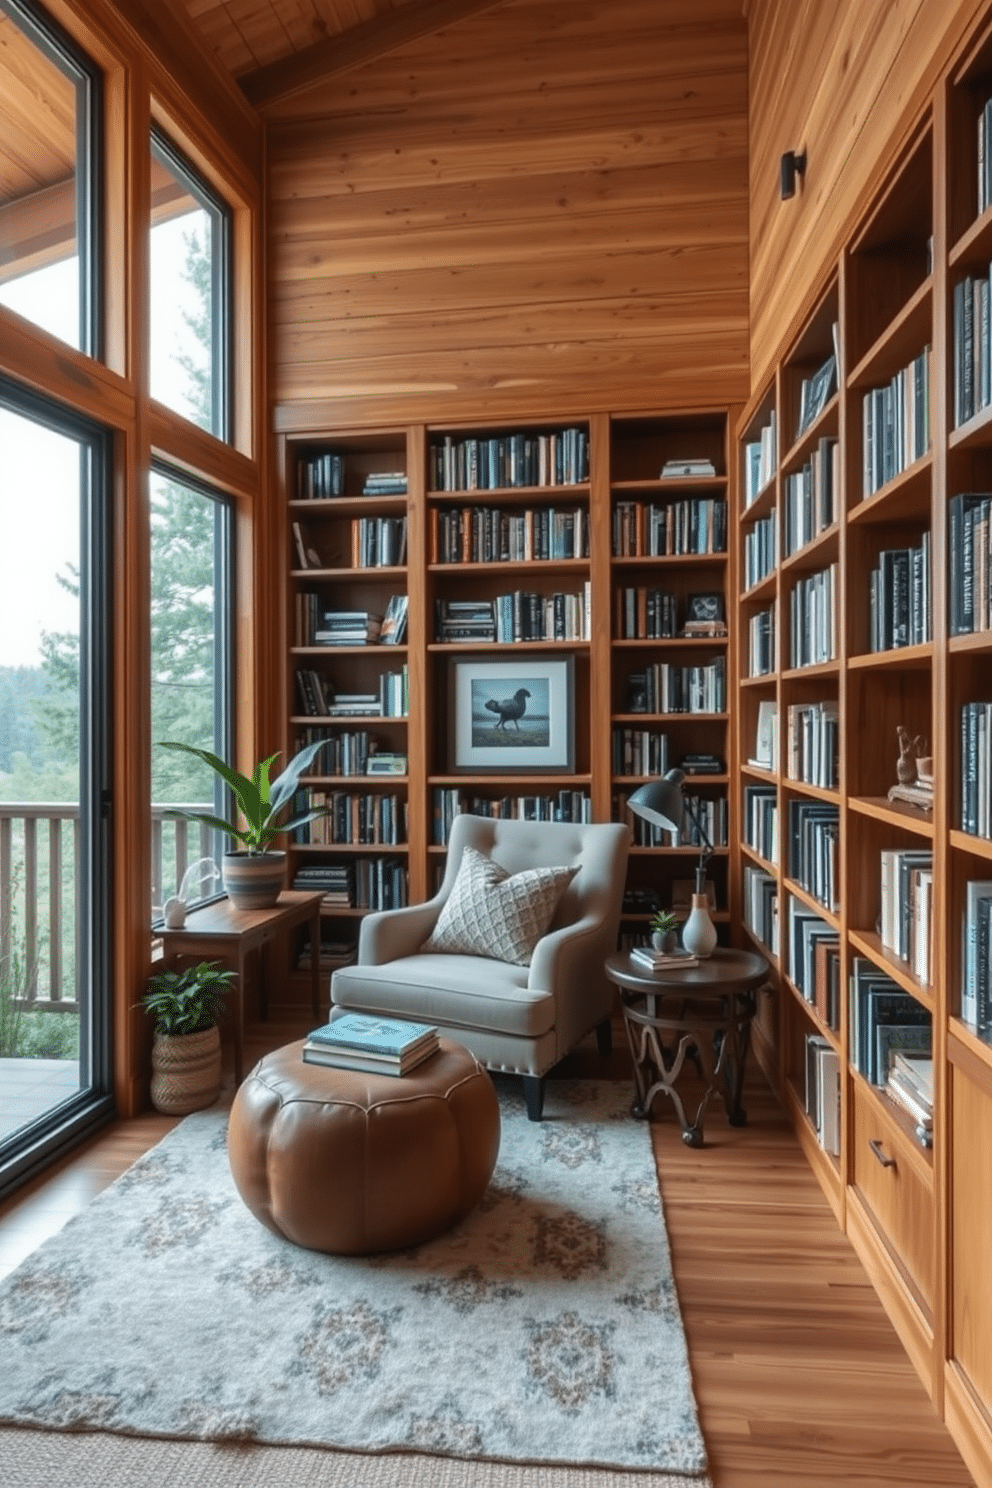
[(43, 112), (187, 273), (189, 683), (41, 825)]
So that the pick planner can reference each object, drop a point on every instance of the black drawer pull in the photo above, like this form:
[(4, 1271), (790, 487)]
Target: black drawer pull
[(883, 1157)]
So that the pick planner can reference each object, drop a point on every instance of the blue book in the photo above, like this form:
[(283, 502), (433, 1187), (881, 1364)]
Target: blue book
[(387, 1037)]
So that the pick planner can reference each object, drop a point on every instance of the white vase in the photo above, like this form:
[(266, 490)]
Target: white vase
[(699, 931)]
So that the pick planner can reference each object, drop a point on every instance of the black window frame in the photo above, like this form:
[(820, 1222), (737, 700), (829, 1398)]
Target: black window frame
[(221, 280), (64, 54), (34, 1147), (225, 665)]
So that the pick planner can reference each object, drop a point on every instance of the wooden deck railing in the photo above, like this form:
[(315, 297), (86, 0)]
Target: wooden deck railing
[(39, 890)]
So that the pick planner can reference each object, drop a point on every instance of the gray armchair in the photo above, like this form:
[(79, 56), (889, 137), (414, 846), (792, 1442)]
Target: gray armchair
[(520, 1019)]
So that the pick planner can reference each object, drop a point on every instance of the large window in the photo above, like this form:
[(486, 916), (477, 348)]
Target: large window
[(190, 293), (191, 679), (55, 801), (49, 113)]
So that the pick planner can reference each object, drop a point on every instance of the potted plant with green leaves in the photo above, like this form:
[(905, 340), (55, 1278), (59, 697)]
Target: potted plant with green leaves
[(255, 872), (664, 929), (186, 1006)]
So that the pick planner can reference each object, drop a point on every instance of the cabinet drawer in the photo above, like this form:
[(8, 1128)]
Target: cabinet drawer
[(899, 1198)]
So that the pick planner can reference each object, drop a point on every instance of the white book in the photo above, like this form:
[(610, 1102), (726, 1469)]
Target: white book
[(829, 1099), (975, 892)]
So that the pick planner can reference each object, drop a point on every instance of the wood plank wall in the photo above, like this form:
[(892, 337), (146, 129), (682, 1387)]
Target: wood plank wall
[(843, 81), (544, 207)]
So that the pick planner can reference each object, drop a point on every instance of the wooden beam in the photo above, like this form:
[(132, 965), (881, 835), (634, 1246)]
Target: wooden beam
[(354, 47)]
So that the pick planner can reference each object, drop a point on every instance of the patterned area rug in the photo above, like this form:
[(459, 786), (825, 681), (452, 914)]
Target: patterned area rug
[(543, 1329)]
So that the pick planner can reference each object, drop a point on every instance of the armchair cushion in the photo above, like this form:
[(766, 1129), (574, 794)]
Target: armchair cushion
[(496, 914)]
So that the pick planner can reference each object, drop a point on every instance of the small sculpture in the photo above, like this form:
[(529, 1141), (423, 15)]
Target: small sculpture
[(915, 787), (204, 870)]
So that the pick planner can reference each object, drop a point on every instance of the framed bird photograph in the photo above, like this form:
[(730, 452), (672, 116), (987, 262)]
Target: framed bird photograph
[(511, 716)]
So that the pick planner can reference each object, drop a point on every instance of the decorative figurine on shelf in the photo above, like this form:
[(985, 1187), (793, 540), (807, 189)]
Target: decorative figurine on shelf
[(914, 772)]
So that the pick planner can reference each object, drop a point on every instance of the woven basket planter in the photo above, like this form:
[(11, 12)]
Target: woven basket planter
[(185, 1071)]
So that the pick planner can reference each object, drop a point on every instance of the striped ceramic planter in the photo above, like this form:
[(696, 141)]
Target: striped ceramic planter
[(254, 881)]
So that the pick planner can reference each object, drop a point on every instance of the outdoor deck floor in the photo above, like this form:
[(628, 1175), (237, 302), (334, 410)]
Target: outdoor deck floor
[(30, 1087)]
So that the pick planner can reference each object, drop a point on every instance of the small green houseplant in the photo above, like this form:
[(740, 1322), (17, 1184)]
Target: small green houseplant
[(186, 1006), (254, 873), (664, 925)]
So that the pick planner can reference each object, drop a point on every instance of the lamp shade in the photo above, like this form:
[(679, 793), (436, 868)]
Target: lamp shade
[(661, 802)]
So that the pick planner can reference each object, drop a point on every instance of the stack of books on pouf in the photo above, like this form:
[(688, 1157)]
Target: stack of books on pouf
[(377, 1046)]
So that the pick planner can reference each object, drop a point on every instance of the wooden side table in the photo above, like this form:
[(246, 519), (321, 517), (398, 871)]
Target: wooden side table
[(700, 1012), (218, 931)]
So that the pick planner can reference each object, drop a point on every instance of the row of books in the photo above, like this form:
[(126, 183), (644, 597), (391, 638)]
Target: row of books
[(320, 476), (896, 424), (364, 883), (812, 743), (906, 896), (320, 699), (814, 961), (761, 459), (330, 955), (666, 687), (349, 752), (656, 530), (813, 609), (972, 347), (558, 806), (760, 549), (910, 1085), (811, 495), (485, 534), (985, 157), (813, 839), (710, 813), (976, 958), (364, 819), (641, 613), (517, 616), (505, 461), (761, 906), (822, 1092), (970, 557), (378, 542), (816, 391), (885, 1020), (899, 598), (760, 823), (371, 1045), (976, 769), (316, 626), (639, 752), (761, 642)]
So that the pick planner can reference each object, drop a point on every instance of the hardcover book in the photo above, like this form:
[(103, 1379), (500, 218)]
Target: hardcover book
[(387, 1037)]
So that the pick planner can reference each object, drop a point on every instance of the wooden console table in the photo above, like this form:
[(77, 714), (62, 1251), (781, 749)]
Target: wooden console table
[(218, 931), (699, 1012)]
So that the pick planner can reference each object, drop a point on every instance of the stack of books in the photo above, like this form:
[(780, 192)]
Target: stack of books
[(385, 483), (693, 467), (910, 1084), (647, 958), (347, 628), (383, 1046)]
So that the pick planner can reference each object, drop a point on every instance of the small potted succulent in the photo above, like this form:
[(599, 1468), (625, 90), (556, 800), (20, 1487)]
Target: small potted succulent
[(664, 929), (186, 1006), (254, 872)]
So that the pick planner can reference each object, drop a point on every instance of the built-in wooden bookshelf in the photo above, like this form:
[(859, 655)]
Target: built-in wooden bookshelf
[(595, 548), (889, 686)]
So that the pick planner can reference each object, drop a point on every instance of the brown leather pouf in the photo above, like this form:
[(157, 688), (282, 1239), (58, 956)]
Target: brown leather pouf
[(352, 1163)]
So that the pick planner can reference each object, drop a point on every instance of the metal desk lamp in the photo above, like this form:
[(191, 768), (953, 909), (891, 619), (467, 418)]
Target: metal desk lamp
[(664, 804)]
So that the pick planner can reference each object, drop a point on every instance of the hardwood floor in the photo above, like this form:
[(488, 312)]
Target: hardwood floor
[(799, 1376)]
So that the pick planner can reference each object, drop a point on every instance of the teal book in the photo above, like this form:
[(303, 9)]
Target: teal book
[(388, 1037)]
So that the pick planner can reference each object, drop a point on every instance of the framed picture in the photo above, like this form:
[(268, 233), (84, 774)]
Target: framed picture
[(507, 716), (683, 890), (704, 608)]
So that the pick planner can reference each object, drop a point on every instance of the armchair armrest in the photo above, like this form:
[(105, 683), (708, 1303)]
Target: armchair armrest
[(389, 934), (564, 953)]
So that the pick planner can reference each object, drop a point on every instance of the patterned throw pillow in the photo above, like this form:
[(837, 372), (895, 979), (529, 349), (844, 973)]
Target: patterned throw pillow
[(490, 912)]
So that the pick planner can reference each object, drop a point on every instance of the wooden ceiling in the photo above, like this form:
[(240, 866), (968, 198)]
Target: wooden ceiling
[(277, 48)]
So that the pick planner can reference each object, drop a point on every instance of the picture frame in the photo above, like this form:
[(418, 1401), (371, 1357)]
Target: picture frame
[(683, 890), (705, 609), (816, 393), (533, 730)]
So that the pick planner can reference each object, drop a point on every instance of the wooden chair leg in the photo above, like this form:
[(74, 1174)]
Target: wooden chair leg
[(604, 1037), (534, 1096)]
